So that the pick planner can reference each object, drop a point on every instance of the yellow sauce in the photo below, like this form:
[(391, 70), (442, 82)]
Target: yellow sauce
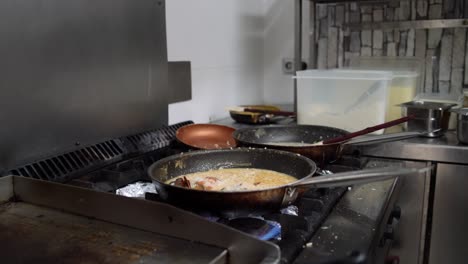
[(235, 179)]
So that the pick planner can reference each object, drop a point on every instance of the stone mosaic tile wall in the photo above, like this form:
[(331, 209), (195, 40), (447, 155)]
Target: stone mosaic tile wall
[(336, 45)]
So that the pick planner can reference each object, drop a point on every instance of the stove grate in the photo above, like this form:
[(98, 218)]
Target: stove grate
[(152, 140), (62, 167), (70, 165)]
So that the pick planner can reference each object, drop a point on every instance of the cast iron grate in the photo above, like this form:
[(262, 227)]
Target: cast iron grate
[(67, 166), (154, 139), (62, 167)]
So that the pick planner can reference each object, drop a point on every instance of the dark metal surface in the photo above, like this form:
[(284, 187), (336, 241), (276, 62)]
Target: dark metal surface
[(26, 237), (228, 204), (94, 208), (180, 81), (410, 236), (263, 136), (355, 225), (448, 233), (79, 72)]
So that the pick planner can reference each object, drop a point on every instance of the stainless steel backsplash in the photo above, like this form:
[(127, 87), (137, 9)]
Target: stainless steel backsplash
[(76, 72)]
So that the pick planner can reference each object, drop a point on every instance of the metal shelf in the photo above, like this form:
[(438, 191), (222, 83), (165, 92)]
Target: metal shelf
[(351, 1), (414, 24)]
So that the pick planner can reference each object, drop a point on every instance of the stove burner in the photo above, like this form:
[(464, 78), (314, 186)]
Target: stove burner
[(262, 229)]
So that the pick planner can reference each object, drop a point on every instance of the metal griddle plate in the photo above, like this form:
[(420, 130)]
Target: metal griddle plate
[(44, 222)]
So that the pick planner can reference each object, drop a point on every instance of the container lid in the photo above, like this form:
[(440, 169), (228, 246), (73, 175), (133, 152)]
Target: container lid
[(460, 111), (405, 74), (349, 74), (427, 105), (396, 73)]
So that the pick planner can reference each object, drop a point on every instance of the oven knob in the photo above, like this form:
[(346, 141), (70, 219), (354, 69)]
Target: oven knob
[(396, 213), (392, 260), (388, 234)]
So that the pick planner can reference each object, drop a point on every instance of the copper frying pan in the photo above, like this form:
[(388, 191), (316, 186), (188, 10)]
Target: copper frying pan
[(206, 136)]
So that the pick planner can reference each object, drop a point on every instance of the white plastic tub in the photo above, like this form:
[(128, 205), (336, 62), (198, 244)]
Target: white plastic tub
[(404, 87), (394, 64), (402, 90), (346, 99)]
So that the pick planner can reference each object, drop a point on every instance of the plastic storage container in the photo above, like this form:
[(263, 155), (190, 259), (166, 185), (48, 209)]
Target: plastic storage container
[(405, 83), (394, 64), (402, 89), (346, 99)]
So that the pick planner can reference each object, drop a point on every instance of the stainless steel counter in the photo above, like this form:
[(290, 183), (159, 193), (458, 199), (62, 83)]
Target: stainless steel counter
[(445, 149), (444, 198)]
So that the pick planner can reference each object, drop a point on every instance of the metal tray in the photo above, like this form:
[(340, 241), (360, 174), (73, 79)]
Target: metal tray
[(45, 222)]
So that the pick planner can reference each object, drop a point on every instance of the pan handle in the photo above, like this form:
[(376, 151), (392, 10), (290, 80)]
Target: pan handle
[(369, 130), (383, 138), (357, 177), (387, 137)]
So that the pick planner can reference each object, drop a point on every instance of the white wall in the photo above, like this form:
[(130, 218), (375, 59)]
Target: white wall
[(279, 44), (224, 42)]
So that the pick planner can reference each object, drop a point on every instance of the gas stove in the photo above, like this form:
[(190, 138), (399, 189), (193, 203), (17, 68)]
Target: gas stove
[(290, 228), (295, 229)]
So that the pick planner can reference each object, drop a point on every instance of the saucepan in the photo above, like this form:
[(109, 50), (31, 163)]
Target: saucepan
[(241, 203)]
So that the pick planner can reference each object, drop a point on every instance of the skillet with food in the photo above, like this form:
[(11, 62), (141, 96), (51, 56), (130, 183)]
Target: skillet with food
[(320, 143), (294, 138), (238, 199)]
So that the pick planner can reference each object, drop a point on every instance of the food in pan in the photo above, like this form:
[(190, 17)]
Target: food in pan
[(230, 180)]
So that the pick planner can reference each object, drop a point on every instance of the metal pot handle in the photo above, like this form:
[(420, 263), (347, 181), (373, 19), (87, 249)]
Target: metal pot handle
[(383, 138), (357, 177)]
